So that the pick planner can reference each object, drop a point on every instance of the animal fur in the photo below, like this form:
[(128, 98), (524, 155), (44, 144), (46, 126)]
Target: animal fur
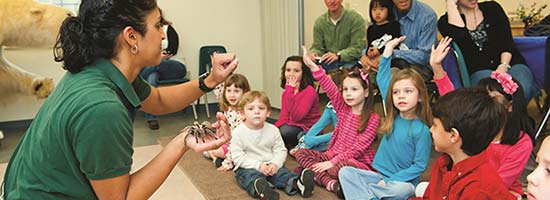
[(26, 24)]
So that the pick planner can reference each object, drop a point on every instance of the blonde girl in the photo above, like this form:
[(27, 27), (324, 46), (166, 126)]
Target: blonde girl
[(405, 147), (233, 89)]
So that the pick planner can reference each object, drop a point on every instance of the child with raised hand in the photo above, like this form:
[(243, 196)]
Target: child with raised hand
[(465, 122), (509, 152), (538, 182), (404, 150), (299, 101), (259, 153), (314, 139), (233, 89), (351, 142)]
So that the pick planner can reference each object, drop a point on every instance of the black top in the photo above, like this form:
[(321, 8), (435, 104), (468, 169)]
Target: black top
[(374, 32), (173, 40), (499, 39)]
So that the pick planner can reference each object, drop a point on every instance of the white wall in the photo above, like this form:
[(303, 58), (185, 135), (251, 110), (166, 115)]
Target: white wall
[(314, 8)]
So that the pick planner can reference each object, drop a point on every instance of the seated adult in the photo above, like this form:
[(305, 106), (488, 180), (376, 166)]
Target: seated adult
[(166, 70), (482, 31), (418, 22), (338, 37)]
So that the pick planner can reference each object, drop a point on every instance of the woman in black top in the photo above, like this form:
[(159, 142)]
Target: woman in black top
[(482, 31)]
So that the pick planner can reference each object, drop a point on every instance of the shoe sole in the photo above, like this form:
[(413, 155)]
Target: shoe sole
[(264, 190), (306, 183)]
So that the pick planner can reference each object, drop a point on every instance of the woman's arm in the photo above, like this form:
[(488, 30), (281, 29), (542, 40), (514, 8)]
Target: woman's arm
[(173, 98), (453, 14), (143, 183)]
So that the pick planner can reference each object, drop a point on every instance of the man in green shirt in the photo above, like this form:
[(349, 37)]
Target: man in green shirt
[(338, 37)]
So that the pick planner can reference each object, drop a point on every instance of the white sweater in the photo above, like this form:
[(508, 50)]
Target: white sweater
[(249, 148)]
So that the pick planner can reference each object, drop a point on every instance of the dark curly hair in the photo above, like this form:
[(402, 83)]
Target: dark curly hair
[(92, 34), (307, 76)]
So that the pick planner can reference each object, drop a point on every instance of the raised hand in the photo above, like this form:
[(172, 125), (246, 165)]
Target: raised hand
[(392, 44), (222, 66), (308, 61), (438, 55)]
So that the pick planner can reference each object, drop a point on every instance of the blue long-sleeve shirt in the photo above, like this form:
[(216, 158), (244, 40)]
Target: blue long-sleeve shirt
[(403, 155), (419, 24), (312, 137)]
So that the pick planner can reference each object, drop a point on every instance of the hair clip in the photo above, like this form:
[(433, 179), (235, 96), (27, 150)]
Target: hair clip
[(505, 81), (364, 76)]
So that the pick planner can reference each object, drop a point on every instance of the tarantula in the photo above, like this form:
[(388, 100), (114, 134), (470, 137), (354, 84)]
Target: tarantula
[(200, 130)]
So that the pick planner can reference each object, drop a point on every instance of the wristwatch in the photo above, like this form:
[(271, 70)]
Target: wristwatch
[(339, 56), (202, 85)]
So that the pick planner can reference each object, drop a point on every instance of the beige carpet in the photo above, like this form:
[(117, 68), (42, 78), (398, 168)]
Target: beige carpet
[(222, 185)]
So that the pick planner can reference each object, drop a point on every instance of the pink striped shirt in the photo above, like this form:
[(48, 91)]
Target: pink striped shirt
[(346, 143), (300, 109)]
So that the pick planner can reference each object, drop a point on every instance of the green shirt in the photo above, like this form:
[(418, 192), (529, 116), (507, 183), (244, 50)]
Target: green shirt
[(82, 132), (347, 37)]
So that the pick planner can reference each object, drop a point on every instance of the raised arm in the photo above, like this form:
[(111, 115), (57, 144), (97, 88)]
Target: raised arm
[(173, 98), (444, 84)]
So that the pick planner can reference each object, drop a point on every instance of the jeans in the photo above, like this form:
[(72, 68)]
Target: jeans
[(363, 184), (166, 70), (289, 134), (337, 64), (520, 72), (283, 179)]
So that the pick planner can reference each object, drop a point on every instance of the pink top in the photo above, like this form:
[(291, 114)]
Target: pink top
[(510, 160), (300, 109), (444, 85), (346, 143)]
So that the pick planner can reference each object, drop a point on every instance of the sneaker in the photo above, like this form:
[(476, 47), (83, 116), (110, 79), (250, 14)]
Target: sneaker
[(338, 190), (153, 124), (264, 191), (306, 183)]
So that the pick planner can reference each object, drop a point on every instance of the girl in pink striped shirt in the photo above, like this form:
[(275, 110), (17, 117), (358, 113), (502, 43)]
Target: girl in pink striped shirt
[(351, 141)]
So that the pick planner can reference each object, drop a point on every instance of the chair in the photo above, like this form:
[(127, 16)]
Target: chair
[(535, 50), (205, 65), (178, 81)]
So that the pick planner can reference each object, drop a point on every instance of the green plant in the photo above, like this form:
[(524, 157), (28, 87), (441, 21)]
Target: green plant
[(531, 14)]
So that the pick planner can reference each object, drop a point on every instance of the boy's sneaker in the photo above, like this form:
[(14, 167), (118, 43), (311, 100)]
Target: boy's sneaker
[(264, 191), (305, 183)]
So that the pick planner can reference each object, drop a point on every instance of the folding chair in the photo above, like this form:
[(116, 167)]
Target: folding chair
[(205, 66)]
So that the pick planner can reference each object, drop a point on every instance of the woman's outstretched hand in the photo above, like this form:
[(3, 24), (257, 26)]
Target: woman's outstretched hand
[(307, 60), (223, 134)]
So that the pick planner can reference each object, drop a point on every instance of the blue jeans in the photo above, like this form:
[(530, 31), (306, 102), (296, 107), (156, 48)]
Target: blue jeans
[(520, 72), (166, 70), (363, 184), (338, 64), (283, 179)]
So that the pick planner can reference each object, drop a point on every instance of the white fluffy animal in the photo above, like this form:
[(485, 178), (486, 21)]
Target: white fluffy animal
[(26, 23), (23, 24)]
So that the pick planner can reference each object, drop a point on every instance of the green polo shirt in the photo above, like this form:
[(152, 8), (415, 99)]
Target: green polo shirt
[(347, 37), (82, 132)]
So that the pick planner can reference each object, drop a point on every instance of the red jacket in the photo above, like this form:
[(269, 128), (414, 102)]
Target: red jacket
[(472, 178)]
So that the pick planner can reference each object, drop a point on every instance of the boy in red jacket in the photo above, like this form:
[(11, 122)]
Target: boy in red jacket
[(465, 123)]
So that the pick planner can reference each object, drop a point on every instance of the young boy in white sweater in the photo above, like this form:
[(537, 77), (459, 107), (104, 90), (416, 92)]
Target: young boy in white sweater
[(259, 153)]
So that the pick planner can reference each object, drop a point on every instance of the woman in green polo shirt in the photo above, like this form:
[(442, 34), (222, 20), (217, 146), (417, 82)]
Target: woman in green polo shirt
[(79, 146)]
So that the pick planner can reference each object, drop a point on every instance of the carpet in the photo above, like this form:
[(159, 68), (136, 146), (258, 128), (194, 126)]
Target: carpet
[(222, 185)]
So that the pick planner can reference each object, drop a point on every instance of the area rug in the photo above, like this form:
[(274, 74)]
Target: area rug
[(213, 184)]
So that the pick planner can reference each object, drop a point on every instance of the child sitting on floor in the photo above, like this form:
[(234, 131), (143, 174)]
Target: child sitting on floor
[(259, 153), (465, 122)]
